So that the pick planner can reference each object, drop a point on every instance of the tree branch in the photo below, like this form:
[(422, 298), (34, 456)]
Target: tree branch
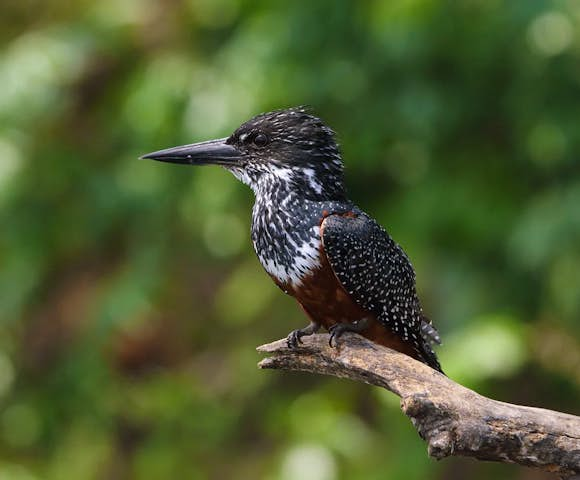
[(451, 418)]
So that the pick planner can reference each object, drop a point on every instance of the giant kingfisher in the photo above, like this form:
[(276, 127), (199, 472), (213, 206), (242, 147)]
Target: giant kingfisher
[(342, 267)]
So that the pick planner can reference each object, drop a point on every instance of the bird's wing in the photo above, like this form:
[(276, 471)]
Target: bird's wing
[(378, 275)]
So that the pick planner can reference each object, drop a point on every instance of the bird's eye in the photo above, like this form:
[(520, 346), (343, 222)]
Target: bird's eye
[(260, 140)]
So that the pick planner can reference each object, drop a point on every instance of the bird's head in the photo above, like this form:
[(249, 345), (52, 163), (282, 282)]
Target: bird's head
[(290, 148)]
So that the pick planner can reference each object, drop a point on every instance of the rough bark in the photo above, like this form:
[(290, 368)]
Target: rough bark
[(451, 418)]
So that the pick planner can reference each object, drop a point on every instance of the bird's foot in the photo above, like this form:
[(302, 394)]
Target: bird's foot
[(294, 338), (338, 329)]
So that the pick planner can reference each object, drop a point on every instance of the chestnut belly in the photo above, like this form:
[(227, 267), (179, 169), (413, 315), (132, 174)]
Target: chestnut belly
[(326, 302)]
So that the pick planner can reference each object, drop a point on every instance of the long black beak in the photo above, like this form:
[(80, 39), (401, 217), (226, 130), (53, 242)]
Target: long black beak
[(203, 153)]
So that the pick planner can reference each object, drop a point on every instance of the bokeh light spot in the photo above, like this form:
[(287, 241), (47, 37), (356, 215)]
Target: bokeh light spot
[(493, 346), (551, 33), (32, 69), (308, 462)]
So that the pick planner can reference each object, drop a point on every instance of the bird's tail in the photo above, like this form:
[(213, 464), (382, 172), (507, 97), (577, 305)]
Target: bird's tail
[(429, 332), (430, 337)]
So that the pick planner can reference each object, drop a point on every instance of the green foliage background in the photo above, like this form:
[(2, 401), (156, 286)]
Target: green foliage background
[(130, 298)]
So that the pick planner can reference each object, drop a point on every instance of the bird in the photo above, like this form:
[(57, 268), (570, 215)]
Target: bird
[(316, 244)]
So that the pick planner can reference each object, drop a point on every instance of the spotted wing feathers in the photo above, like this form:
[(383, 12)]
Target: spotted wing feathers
[(375, 271)]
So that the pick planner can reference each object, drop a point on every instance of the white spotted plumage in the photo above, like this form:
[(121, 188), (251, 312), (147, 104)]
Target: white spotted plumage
[(378, 275)]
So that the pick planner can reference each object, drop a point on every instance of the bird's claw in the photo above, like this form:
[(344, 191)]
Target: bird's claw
[(336, 332), (338, 329), (294, 339)]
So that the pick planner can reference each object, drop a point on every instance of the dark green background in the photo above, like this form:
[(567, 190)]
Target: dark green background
[(130, 298)]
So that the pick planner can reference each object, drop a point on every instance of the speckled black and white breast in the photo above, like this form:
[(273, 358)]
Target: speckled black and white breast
[(287, 214), (286, 233)]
